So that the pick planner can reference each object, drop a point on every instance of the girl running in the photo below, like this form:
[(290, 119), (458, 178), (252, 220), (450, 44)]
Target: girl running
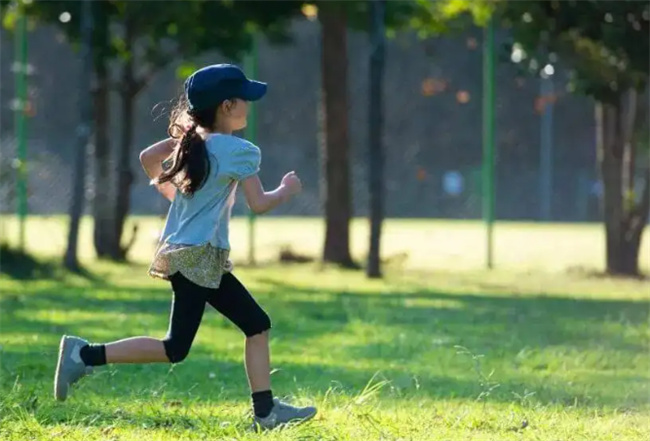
[(198, 169)]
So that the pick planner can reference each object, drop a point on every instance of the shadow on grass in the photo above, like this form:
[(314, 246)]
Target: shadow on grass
[(531, 319), (506, 323), (502, 326), (23, 266)]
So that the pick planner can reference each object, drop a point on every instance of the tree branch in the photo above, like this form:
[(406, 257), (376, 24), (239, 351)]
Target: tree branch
[(629, 109), (642, 210), (638, 216), (127, 247)]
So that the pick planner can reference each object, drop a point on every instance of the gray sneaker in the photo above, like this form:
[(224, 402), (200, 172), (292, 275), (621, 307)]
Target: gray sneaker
[(70, 368), (283, 413)]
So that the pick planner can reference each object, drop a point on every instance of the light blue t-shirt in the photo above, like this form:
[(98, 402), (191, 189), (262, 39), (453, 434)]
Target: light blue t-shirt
[(204, 217)]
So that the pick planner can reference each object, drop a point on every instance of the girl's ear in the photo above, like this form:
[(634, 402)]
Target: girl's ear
[(227, 106)]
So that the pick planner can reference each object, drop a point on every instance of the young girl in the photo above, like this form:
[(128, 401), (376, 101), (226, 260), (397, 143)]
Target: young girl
[(198, 169)]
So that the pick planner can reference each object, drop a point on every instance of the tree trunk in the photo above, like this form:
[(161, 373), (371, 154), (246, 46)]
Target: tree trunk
[(375, 125), (124, 178), (625, 216), (102, 208), (335, 149), (83, 136), (124, 173)]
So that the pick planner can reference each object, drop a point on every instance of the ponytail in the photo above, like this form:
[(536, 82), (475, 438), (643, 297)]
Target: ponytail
[(190, 165)]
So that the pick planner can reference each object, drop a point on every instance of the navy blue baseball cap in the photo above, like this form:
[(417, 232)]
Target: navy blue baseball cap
[(210, 86)]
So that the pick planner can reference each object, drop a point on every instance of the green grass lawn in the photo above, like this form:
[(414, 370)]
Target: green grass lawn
[(426, 353), (416, 244)]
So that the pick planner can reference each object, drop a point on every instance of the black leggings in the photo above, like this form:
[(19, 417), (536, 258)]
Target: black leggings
[(231, 299)]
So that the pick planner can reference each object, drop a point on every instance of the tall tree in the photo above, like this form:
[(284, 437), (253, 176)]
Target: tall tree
[(103, 52), (605, 45), (83, 136), (335, 18), (336, 140)]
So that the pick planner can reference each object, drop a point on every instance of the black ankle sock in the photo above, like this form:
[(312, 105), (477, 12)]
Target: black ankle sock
[(93, 355), (262, 403)]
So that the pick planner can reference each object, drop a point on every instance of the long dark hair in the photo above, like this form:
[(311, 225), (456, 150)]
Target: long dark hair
[(188, 166)]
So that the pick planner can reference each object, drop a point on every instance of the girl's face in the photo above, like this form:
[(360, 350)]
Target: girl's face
[(232, 115)]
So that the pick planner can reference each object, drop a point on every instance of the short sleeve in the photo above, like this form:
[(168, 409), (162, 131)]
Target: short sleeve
[(245, 161)]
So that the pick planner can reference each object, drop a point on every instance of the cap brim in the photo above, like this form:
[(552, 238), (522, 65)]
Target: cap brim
[(253, 90)]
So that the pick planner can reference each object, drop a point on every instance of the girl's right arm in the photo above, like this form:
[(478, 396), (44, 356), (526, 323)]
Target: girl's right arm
[(152, 158)]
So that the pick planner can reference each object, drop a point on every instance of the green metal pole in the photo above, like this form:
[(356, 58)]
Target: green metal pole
[(488, 138), (250, 67), (21, 124)]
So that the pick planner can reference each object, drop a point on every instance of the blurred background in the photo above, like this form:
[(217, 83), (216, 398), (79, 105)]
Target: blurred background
[(468, 259), (481, 119)]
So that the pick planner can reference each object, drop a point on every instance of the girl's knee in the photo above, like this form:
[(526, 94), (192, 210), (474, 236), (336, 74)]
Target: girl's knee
[(260, 326), (176, 350), (260, 336)]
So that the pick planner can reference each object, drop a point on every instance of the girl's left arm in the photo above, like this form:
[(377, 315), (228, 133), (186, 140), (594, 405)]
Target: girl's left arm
[(152, 158), (260, 201)]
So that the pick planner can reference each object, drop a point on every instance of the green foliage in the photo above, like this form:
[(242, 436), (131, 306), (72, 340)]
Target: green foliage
[(448, 16), (604, 43), (480, 10), (427, 17), (185, 28), (164, 30), (228, 27)]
